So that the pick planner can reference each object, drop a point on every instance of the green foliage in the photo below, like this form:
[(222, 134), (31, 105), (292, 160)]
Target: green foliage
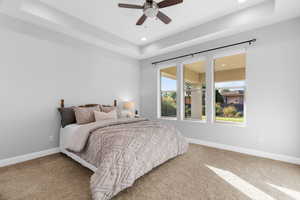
[(229, 111), (168, 104), (187, 111), (238, 114), (219, 97), (174, 96), (219, 109), (230, 119)]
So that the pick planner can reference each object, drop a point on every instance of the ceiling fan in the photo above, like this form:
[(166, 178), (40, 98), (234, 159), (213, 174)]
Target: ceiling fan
[(151, 10)]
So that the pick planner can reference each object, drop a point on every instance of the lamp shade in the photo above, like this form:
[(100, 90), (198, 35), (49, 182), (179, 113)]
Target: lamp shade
[(128, 105)]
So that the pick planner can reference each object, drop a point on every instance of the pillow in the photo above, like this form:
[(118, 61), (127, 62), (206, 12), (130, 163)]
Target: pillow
[(85, 115), (107, 109), (100, 116), (67, 116)]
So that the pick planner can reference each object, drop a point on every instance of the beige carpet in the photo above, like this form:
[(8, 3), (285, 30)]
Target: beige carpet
[(203, 173)]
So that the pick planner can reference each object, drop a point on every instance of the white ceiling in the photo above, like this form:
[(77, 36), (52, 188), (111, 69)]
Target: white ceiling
[(102, 23), (106, 15)]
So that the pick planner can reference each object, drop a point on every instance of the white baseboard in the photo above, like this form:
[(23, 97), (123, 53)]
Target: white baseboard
[(284, 158), (31, 156)]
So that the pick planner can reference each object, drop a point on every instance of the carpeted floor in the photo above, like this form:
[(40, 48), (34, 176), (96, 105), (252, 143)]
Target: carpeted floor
[(203, 173)]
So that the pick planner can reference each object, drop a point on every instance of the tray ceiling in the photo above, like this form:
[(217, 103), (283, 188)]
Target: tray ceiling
[(103, 24), (121, 22)]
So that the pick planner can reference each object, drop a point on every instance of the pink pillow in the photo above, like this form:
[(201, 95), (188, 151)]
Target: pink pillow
[(107, 109), (85, 115)]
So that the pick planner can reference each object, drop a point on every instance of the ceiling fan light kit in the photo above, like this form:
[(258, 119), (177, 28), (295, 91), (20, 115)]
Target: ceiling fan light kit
[(151, 10)]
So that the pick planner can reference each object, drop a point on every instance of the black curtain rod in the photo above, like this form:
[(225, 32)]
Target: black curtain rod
[(204, 51)]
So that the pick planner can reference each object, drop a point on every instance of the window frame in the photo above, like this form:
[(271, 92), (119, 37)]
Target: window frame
[(192, 60), (209, 59), (222, 54), (159, 68)]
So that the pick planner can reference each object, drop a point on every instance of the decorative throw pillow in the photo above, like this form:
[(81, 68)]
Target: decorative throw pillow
[(67, 116), (85, 115), (100, 116)]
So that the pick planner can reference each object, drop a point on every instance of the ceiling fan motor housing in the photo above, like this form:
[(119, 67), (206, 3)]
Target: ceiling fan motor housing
[(151, 9)]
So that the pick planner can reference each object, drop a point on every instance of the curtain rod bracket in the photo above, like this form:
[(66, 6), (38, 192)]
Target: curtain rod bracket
[(251, 41)]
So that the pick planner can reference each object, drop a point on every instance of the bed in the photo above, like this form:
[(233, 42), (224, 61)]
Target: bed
[(120, 151), (65, 134)]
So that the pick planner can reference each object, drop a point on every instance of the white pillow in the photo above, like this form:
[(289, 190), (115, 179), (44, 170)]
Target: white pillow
[(100, 116)]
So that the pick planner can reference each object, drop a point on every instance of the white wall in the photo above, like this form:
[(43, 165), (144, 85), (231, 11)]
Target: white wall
[(37, 69), (273, 93)]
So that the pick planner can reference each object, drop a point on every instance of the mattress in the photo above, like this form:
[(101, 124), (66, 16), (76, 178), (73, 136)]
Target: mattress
[(65, 134)]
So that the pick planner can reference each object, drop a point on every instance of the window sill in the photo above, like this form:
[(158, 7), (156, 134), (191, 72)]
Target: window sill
[(234, 124), (194, 121), (184, 120), (168, 118)]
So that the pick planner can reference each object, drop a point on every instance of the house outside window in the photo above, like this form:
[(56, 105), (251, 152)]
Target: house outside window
[(230, 86)]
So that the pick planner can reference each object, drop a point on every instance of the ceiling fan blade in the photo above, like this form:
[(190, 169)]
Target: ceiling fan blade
[(141, 20), (124, 5), (167, 3), (164, 18)]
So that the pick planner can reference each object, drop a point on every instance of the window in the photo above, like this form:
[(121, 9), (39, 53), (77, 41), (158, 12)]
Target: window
[(194, 90), (209, 89), (229, 83), (168, 92)]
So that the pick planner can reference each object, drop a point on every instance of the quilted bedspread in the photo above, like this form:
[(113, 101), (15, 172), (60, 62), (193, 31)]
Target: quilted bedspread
[(124, 150)]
